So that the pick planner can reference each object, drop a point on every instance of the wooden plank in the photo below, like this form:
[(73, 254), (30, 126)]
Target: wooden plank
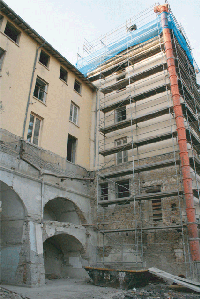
[(195, 286)]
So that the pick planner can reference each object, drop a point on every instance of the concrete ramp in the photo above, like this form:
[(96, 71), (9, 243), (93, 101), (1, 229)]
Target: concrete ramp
[(190, 284)]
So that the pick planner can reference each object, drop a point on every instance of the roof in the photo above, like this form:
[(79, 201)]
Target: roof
[(6, 10)]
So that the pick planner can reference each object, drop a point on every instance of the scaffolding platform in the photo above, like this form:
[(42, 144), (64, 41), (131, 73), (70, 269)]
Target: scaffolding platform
[(137, 143), (139, 76), (132, 99), (138, 169), (144, 196), (138, 119)]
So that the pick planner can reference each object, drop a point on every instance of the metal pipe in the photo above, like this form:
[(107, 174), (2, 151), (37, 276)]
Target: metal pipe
[(181, 131), (31, 83)]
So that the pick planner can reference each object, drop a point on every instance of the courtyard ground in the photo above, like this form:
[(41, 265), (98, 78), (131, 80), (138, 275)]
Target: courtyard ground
[(80, 289)]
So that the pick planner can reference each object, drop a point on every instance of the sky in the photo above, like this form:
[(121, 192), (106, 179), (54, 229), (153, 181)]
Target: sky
[(65, 23)]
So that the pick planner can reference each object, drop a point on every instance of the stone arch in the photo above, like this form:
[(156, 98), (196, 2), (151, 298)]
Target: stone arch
[(62, 209), (13, 213), (64, 256)]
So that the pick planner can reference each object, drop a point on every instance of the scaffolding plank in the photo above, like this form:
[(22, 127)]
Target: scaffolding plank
[(193, 285), (144, 196), (137, 97), (134, 78), (121, 230), (128, 122), (137, 169), (137, 143), (139, 53)]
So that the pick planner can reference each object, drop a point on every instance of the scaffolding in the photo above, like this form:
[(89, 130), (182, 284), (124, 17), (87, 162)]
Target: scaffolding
[(141, 213)]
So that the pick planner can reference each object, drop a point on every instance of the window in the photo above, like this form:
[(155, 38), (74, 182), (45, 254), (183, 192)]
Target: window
[(71, 148), (77, 86), (12, 32), (120, 114), (40, 91), (104, 191), (121, 157), (2, 55), (63, 74), (157, 210), (74, 111), (34, 129), (123, 189), (44, 58)]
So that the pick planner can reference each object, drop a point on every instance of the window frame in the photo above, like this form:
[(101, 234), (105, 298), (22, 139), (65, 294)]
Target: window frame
[(104, 195), (35, 116), (45, 91), (76, 81), (63, 69), (71, 117), (48, 56), (16, 30), (117, 110), (124, 154), (120, 183)]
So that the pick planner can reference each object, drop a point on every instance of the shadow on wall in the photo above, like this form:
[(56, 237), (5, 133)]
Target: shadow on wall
[(63, 210), (12, 227), (63, 257)]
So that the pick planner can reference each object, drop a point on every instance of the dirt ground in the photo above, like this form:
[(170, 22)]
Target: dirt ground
[(79, 289)]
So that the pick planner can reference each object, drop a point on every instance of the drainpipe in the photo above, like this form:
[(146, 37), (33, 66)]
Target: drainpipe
[(31, 83), (182, 141), (95, 129)]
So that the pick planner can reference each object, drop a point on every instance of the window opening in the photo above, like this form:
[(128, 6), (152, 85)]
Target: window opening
[(40, 91), (123, 189), (12, 32), (71, 148), (77, 86), (74, 111), (63, 74), (2, 55), (120, 114), (121, 157), (44, 58), (157, 210), (34, 129), (104, 191)]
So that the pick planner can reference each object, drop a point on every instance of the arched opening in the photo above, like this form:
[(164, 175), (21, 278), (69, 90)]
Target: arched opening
[(63, 257), (63, 210), (12, 221)]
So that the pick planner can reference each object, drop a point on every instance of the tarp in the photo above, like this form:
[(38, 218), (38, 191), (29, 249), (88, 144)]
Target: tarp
[(132, 38)]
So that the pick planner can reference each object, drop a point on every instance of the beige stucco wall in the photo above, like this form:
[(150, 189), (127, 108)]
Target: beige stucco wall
[(15, 83)]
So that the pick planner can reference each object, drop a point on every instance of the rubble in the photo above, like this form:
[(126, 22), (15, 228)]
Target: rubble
[(6, 294), (155, 291)]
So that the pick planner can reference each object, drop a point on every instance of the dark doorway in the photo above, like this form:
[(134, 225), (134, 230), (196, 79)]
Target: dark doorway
[(71, 148)]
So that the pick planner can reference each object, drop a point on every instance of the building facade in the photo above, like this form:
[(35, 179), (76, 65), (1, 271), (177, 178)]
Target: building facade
[(92, 170), (46, 153)]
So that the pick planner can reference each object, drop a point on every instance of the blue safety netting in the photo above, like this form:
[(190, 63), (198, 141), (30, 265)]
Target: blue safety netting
[(142, 34)]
